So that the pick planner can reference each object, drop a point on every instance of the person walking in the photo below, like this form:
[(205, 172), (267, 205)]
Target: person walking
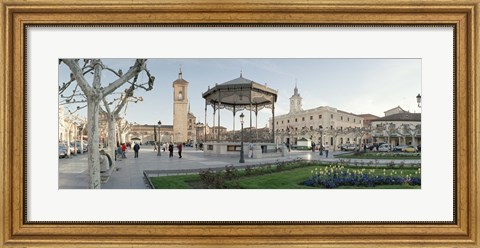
[(170, 149), (124, 149), (118, 153), (179, 147), (313, 146), (136, 147), (326, 148), (250, 150)]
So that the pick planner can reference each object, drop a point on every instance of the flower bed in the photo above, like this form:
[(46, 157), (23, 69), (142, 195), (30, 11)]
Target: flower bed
[(380, 155), (335, 176)]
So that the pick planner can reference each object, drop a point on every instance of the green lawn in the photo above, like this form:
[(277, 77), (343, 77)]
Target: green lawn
[(289, 179), (174, 182)]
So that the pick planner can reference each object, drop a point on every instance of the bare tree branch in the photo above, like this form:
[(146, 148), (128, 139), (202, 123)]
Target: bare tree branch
[(78, 75)]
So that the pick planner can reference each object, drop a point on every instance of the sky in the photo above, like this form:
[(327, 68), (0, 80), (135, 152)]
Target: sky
[(359, 86)]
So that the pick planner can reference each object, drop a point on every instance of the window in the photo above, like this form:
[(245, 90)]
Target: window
[(288, 121), (296, 120), (303, 118), (180, 95), (331, 116), (331, 127), (319, 116), (353, 120), (282, 122), (348, 119), (311, 117), (296, 129), (277, 122), (341, 128), (311, 128), (341, 118)]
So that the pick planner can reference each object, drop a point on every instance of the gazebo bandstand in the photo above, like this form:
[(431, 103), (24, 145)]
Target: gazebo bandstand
[(238, 95)]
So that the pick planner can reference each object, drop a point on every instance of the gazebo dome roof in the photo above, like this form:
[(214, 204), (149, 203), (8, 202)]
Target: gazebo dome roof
[(239, 81), (241, 93)]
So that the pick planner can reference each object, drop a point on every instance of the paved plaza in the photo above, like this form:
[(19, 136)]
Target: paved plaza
[(73, 172)]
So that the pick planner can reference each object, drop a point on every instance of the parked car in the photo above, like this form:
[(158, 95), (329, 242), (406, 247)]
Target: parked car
[(62, 150), (399, 148), (410, 149), (349, 147), (384, 148), (78, 144), (72, 148)]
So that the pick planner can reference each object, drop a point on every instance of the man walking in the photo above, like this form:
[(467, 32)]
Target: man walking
[(136, 147), (326, 148), (179, 147), (170, 149)]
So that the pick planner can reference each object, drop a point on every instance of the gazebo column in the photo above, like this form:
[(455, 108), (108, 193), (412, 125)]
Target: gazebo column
[(205, 126), (256, 122), (233, 137), (251, 136), (213, 129), (218, 124), (218, 130)]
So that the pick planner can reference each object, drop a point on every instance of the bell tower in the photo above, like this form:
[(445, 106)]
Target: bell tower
[(180, 109), (295, 101)]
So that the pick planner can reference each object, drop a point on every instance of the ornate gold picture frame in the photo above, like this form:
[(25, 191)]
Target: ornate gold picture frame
[(18, 232)]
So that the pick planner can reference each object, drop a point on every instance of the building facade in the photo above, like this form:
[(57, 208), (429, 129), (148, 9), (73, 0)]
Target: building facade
[(319, 125), (398, 127)]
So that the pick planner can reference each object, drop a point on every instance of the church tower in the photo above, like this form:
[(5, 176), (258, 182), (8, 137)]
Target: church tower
[(295, 101), (180, 109)]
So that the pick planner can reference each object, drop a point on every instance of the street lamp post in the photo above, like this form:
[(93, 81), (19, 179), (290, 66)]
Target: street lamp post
[(80, 129), (159, 151), (419, 100), (196, 135), (242, 159)]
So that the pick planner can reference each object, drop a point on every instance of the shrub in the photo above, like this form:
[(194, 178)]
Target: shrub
[(211, 179), (391, 163), (231, 172), (249, 170)]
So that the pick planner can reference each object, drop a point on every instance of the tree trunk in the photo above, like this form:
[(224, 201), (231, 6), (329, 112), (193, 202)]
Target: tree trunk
[(68, 142), (93, 144), (111, 138)]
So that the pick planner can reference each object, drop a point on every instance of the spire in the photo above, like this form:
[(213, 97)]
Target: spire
[(295, 91), (241, 73), (180, 72)]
